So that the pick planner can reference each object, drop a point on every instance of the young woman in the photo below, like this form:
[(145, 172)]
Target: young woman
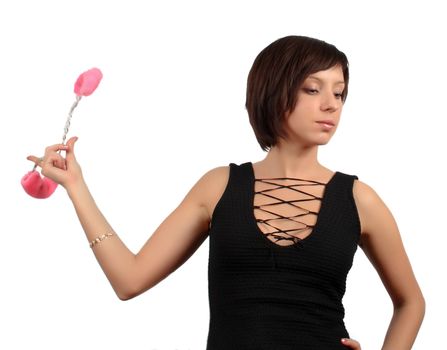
[(283, 231)]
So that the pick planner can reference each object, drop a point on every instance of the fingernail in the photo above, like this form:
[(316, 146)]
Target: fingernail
[(344, 340)]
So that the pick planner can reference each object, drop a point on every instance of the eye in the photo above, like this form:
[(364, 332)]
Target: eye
[(311, 91), (339, 95)]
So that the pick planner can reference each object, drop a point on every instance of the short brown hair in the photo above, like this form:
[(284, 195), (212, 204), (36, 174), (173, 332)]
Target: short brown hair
[(276, 76)]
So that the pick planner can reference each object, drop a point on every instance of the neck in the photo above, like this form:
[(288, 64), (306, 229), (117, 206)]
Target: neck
[(292, 160)]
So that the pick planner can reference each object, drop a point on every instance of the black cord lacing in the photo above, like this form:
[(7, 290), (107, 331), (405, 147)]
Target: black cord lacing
[(296, 240)]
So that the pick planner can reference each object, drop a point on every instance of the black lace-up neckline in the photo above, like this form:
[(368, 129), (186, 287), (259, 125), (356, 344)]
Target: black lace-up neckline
[(283, 227)]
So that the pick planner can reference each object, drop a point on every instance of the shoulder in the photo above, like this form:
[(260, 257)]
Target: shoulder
[(216, 177), (364, 194), (211, 186), (370, 207)]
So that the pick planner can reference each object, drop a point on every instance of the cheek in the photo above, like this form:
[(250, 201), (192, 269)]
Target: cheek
[(297, 122), (306, 105), (303, 114)]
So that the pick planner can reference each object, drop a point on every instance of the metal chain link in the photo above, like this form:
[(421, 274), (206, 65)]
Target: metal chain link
[(67, 123), (70, 115)]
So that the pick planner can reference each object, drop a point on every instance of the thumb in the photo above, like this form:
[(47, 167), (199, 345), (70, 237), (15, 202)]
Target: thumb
[(70, 151), (351, 343)]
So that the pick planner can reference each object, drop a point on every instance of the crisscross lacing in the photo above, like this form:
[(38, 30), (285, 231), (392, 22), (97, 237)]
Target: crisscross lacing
[(294, 230)]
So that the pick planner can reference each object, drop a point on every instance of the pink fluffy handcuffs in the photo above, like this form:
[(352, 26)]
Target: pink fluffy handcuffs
[(43, 187)]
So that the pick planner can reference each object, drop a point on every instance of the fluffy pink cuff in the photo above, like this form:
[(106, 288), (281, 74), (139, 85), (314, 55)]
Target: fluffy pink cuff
[(87, 82), (37, 186)]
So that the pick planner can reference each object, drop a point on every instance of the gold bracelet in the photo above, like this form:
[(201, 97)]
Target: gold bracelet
[(100, 239)]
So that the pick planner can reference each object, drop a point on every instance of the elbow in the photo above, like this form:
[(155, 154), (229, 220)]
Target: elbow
[(125, 295), (130, 288), (125, 292), (129, 292), (419, 307), (413, 297), (422, 306), (415, 303)]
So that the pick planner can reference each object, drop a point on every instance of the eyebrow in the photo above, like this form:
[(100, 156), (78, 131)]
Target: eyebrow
[(337, 82)]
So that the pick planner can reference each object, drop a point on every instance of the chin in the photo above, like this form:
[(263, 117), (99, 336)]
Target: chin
[(322, 141), (313, 140), (325, 142)]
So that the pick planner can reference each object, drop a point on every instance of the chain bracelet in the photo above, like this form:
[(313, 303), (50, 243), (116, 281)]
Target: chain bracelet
[(100, 239)]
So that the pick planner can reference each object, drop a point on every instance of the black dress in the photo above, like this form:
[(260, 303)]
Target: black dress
[(264, 295)]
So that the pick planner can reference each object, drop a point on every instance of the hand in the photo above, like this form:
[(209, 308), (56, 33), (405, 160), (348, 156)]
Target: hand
[(65, 171), (351, 344)]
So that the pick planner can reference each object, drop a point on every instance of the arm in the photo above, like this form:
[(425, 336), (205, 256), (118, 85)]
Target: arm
[(382, 244), (174, 241)]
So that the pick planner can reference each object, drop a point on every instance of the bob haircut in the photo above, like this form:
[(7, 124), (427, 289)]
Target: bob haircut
[(277, 74)]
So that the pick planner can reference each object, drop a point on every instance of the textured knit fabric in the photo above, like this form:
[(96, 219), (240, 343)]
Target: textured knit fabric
[(266, 296)]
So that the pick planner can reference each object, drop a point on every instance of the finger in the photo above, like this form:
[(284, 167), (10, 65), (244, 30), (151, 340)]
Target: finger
[(34, 159), (54, 160), (55, 148), (53, 173), (351, 343), (53, 165), (70, 149)]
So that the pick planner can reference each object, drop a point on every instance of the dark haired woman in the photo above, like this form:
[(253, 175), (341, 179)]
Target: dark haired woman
[(283, 231)]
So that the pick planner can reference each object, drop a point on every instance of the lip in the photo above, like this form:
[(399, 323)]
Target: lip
[(326, 125), (328, 122)]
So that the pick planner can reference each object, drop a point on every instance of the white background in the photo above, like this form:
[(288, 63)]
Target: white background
[(170, 108)]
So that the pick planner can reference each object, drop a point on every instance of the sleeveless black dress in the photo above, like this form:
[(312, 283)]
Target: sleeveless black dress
[(266, 296)]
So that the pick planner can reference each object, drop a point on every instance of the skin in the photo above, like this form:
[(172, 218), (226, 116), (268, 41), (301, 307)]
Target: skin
[(185, 229)]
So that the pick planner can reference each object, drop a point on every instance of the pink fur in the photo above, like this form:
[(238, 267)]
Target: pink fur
[(87, 82), (37, 186)]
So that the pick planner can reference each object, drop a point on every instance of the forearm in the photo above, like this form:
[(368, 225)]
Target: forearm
[(404, 325), (115, 259)]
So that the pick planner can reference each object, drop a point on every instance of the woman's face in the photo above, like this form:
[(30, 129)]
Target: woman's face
[(319, 99)]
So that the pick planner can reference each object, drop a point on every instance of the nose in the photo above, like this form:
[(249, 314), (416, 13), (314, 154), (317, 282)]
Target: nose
[(329, 102)]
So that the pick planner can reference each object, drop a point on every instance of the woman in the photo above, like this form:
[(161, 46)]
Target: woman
[(283, 231)]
